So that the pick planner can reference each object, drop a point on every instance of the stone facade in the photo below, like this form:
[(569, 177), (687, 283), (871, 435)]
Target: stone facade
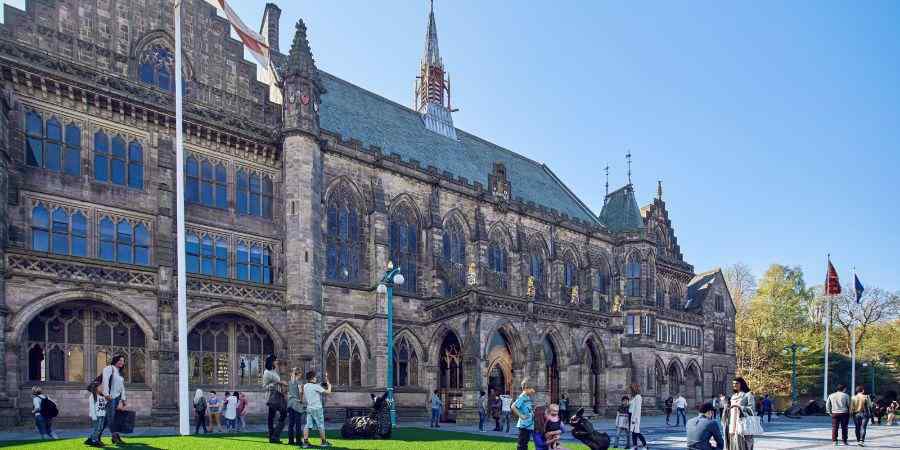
[(612, 302)]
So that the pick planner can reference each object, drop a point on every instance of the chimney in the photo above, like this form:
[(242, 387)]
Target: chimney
[(269, 28)]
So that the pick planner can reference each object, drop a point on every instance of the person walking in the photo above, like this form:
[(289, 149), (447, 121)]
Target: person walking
[(838, 407), (634, 410), (242, 410), (623, 423), (214, 408), (505, 404), (564, 407), (523, 407), (741, 404), (113, 388), (231, 412), (482, 407), (42, 421), (271, 381), (861, 410), (495, 410), (315, 412), (767, 407), (702, 428), (680, 410), (200, 412), (437, 405), (296, 407), (97, 412), (667, 407)]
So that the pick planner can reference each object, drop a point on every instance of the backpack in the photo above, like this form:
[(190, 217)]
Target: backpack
[(48, 408), (200, 406)]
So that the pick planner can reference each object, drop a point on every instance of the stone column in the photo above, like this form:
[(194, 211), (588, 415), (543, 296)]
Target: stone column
[(7, 398)]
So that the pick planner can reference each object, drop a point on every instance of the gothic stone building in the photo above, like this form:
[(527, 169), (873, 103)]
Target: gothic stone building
[(301, 187)]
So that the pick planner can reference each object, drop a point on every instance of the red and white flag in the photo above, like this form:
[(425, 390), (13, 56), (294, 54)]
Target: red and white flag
[(251, 39)]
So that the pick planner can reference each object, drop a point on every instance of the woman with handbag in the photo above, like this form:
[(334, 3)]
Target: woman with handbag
[(740, 421), (275, 399), (113, 389)]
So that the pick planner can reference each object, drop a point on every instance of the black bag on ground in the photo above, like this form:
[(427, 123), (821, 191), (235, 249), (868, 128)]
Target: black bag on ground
[(125, 421), (48, 408)]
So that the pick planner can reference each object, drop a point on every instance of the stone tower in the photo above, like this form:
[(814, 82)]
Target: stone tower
[(303, 247)]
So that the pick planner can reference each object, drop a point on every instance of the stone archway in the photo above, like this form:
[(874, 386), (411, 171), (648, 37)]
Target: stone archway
[(693, 384), (499, 357), (450, 375)]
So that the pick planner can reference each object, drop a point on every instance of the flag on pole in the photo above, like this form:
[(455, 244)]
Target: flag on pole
[(832, 283), (857, 288), (251, 39)]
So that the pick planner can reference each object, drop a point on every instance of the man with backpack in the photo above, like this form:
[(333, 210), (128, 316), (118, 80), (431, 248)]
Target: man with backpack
[(44, 411)]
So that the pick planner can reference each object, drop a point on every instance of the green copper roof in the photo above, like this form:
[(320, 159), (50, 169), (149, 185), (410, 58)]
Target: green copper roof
[(355, 113), (621, 213)]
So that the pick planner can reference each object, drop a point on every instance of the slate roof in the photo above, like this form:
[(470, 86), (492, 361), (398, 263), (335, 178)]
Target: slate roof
[(621, 213), (699, 287), (354, 112)]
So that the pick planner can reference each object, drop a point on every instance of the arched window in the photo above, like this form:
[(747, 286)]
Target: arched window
[(79, 234), (101, 156), (343, 243), (254, 194), (451, 365), (72, 156), (207, 256), (536, 271), (454, 258), (211, 358), (157, 68), (601, 284), (674, 297), (40, 229), (123, 242), (660, 294), (192, 180), (661, 243), (570, 278), (254, 263), (60, 242), (118, 164), (404, 242), (498, 267), (52, 145), (343, 361), (71, 340), (551, 365), (34, 140), (633, 277), (406, 364)]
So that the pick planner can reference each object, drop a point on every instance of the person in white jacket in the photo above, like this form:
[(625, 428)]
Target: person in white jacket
[(113, 389), (634, 409)]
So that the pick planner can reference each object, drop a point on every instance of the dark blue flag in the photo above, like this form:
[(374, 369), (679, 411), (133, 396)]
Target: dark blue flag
[(857, 288)]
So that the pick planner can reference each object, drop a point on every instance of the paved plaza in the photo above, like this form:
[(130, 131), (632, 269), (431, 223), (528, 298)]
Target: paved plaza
[(781, 433)]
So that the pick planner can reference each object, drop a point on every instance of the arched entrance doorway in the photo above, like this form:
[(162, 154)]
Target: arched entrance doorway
[(227, 351), (73, 341), (594, 366), (499, 359), (674, 376), (693, 387), (450, 377), (551, 367)]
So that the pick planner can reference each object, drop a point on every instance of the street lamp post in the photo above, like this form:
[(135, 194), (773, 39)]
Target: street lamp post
[(873, 375), (793, 348), (392, 276)]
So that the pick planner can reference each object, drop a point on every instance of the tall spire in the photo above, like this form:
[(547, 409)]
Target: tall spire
[(432, 54), (628, 159), (432, 96)]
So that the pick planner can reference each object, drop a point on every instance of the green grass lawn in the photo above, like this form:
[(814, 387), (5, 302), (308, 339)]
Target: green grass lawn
[(403, 439)]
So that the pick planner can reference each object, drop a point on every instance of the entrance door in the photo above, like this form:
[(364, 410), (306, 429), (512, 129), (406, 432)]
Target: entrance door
[(451, 377)]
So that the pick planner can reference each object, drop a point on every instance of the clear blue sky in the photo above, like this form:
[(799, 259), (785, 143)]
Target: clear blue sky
[(773, 125)]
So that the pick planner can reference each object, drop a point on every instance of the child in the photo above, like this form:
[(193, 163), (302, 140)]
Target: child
[(97, 407), (523, 408), (553, 429), (622, 423)]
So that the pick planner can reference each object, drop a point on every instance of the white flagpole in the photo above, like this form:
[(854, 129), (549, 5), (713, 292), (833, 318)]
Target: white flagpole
[(184, 427), (853, 338), (827, 328)]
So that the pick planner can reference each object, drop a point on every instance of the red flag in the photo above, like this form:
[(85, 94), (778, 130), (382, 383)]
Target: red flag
[(832, 284)]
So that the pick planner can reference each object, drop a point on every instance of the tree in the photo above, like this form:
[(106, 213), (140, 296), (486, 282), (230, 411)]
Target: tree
[(875, 306), (741, 285)]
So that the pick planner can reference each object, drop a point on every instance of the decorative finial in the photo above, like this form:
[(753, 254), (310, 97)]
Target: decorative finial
[(628, 159), (659, 189), (606, 169)]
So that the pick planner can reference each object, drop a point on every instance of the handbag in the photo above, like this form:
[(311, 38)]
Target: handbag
[(276, 400), (750, 425), (125, 421)]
